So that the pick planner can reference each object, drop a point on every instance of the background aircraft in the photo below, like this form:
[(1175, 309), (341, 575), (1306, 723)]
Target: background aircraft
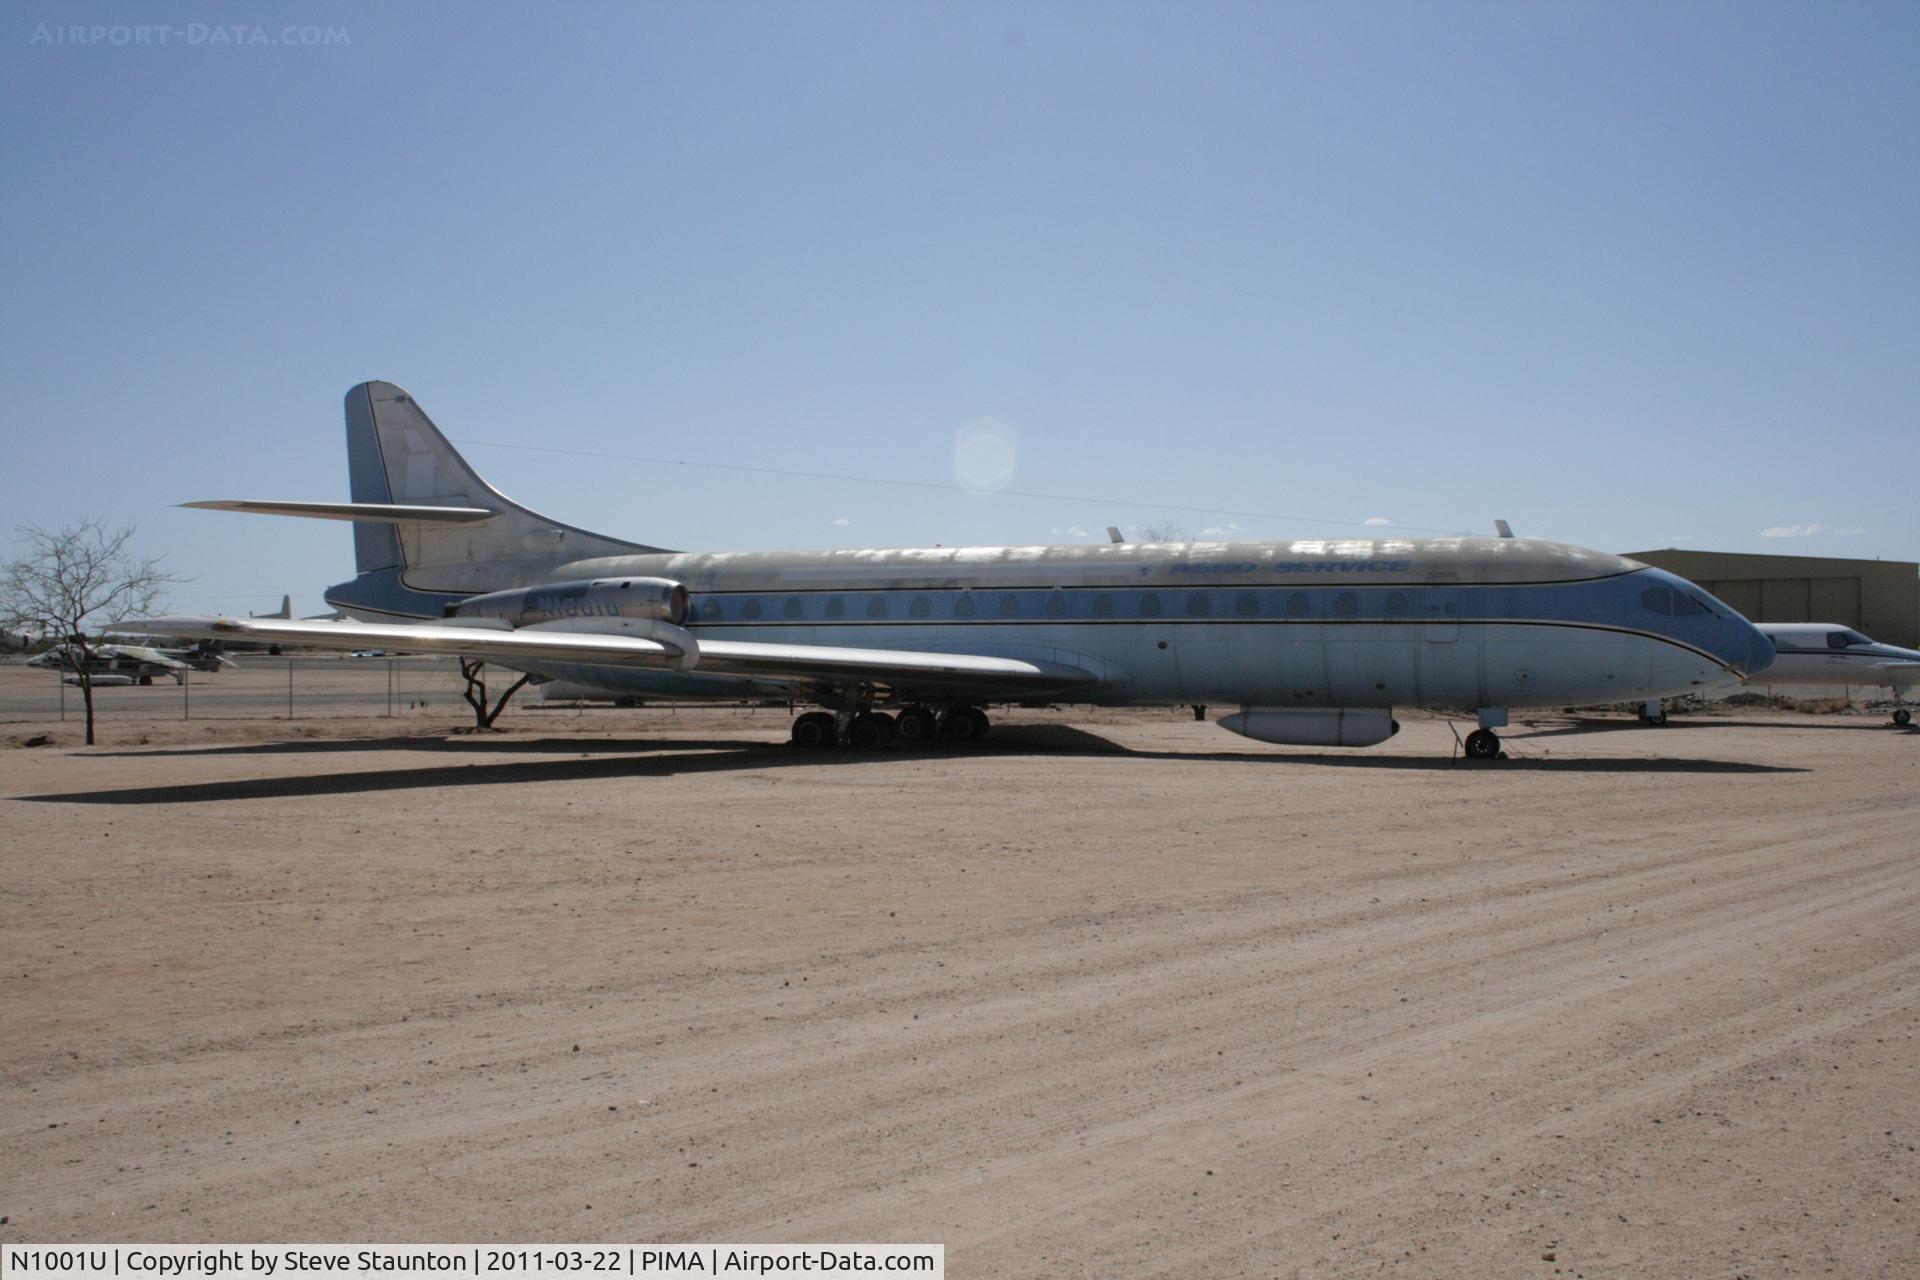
[(1316, 640), (1830, 654), (139, 664)]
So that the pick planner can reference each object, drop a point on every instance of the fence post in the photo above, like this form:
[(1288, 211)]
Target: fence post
[(289, 688)]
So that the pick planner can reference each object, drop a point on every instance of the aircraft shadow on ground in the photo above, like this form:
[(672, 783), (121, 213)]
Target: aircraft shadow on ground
[(1579, 725), (456, 743), (595, 758)]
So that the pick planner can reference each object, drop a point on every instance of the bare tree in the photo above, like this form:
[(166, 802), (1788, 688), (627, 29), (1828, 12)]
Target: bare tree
[(476, 694), (1166, 531), (82, 575)]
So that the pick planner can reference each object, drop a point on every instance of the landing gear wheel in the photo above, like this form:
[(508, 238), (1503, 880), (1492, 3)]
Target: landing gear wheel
[(964, 724), (814, 730), (870, 729), (916, 725), (1902, 717), (1657, 719), (146, 679), (1483, 744)]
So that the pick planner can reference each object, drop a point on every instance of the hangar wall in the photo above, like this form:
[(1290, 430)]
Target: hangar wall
[(1879, 597)]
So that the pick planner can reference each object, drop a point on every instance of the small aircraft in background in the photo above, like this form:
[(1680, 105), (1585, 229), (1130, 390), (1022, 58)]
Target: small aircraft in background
[(1828, 653), (123, 664)]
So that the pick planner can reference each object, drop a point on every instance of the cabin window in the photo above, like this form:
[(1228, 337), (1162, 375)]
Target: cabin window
[(1103, 605), (1056, 605), (877, 607), (1009, 606), (1347, 605), (710, 610), (751, 609), (1149, 605), (920, 607), (1397, 605), (1247, 605), (791, 608), (1199, 605), (1297, 606), (836, 607), (963, 607)]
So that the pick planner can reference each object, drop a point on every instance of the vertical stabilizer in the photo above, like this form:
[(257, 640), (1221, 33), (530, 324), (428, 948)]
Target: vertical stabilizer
[(396, 455)]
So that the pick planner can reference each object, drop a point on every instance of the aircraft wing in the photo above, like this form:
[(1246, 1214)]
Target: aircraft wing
[(138, 653), (504, 644), (802, 663), (824, 663)]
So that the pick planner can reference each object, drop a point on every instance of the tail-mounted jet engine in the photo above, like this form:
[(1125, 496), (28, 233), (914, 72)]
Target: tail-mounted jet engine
[(652, 599), (1313, 726), (654, 608)]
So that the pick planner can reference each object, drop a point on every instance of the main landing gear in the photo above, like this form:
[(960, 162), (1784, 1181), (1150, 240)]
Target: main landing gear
[(1653, 712), (870, 730), (1902, 717)]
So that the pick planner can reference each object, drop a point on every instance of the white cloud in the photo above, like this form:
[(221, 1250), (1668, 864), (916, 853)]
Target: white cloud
[(1848, 533), (1794, 530), (841, 522), (1073, 531), (1377, 521)]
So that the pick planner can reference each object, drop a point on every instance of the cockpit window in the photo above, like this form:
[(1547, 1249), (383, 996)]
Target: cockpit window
[(1685, 606), (1842, 639), (1657, 600)]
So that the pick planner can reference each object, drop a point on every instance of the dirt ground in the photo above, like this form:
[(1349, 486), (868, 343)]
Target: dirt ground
[(1112, 994)]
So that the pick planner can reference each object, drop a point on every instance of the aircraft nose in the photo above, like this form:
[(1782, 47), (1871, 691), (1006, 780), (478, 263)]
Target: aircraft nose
[(1760, 653)]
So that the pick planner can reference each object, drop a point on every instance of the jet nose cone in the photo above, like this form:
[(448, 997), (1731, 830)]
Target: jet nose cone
[(1760, 653)]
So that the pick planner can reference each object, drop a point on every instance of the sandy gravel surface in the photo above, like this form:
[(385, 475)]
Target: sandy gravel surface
[(1114, 994)]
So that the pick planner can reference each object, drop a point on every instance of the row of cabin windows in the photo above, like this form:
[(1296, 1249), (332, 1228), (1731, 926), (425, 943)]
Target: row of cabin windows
[(1199, 604)]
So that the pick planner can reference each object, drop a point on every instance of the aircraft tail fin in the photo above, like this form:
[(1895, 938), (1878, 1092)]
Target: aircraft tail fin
[(397, 457)]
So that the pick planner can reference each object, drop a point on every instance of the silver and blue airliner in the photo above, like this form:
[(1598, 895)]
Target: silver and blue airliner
[(1314, 640)]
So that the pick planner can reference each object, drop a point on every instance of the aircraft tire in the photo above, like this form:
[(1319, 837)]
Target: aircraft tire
[(1655, 720), (965, 724), (871, 730), (917, 725), (1902, 717), (146, 679), (1483, 744), (814, 731)]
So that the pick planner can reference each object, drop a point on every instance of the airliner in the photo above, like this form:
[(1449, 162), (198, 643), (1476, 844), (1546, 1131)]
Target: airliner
[(1314, 640)]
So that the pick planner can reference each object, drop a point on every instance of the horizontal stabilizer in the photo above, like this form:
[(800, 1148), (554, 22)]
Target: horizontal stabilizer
[(365, 512)]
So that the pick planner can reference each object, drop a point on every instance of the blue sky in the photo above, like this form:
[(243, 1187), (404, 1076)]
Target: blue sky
[(1629, 275)]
